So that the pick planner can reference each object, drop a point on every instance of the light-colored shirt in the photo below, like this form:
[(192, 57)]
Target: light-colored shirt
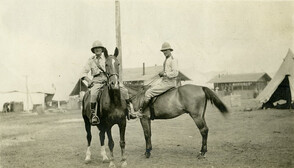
[(171, 67), (92, 65)]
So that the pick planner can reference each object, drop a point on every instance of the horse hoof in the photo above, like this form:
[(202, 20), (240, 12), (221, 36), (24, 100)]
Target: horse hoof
[(111, 165), (201, 155), (105, 160), (124, 164), (87, 160), (147, 154)]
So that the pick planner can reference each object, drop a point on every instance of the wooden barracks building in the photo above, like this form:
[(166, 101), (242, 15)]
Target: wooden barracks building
[(247, 85)]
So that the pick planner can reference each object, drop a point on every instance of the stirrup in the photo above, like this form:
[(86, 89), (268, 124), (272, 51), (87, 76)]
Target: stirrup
[(137, 114), (95, 120)]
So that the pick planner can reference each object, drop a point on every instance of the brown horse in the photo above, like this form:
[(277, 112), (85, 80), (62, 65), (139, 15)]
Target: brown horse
[(113, 111), (190, 99)]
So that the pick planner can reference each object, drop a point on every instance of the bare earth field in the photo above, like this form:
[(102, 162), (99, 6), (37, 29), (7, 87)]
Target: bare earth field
[(260, 138)]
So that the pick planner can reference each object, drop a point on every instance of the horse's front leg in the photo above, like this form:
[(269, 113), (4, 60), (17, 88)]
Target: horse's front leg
[(103, 151), (146, 125), (122, 143), (111, 146), (89, 138)]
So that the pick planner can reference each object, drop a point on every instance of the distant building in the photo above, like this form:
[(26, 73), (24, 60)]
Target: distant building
[(247, 85), (145, 75)]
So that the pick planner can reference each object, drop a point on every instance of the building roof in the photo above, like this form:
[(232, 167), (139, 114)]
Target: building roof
[(136, 74), (233, 78)]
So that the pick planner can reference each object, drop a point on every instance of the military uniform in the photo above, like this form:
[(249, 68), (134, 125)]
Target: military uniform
[(98, 76), (168, 81), (96, 65)]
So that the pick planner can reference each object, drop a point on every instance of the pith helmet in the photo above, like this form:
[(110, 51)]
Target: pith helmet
[(96, 44), (166, 46)]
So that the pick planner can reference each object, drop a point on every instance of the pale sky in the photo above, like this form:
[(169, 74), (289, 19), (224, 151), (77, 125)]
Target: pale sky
[(50, 40)]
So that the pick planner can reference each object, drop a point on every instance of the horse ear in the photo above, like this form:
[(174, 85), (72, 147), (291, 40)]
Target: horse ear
[(116, 52), (105, 52)]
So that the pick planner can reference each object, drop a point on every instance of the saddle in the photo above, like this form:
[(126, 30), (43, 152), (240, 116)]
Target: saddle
[(99, 100), (153, 100)]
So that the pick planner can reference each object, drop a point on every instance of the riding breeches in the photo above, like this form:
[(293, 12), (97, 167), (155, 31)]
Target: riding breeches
[(158, 89), (97, 86), (94, 91)]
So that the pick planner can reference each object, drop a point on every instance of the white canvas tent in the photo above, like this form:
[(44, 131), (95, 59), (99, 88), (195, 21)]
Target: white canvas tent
[(13, 88), (281, 87)]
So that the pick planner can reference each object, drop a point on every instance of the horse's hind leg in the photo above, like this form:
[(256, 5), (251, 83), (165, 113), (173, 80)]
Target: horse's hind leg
[(201, 124), (146, 125), (89, 137)]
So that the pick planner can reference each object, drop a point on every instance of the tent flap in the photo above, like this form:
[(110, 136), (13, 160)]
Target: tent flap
[(282, 84)]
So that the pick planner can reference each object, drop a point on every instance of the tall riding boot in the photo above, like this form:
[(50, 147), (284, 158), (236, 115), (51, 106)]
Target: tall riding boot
[(130, 108), (95, 118)]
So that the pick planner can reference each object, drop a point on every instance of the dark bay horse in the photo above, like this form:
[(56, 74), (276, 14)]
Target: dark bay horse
[(190, 99), (113, 111)]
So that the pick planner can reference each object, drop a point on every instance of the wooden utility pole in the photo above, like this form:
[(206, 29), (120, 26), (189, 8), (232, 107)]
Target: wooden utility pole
[(118, 36)]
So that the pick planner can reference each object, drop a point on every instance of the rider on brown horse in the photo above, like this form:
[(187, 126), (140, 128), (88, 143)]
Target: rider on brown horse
[(168, 77), (96, 64)]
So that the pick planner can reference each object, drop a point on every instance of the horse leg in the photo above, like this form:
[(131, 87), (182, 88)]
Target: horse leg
[(201, 124), (122, 143), (103, 152), (111, 146), (146, 125), (89, 138)]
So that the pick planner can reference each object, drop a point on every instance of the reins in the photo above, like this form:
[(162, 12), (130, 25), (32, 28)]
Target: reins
[(149, 84)]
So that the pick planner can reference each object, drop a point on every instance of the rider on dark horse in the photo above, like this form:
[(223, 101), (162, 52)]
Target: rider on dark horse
[(168, 78), (96, 64)]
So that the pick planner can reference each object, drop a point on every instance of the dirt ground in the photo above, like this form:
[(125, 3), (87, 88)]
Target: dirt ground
[(259, 138)]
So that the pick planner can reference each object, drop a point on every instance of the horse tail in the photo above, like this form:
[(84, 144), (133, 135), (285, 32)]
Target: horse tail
[(210, 95)]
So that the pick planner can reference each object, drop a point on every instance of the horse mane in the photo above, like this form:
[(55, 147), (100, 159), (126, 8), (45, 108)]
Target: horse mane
[(114, 95)]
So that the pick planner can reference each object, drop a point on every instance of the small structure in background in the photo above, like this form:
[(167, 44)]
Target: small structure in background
[(13, 107), (19, 101), (246, 85), (48, 100), (77, 94)]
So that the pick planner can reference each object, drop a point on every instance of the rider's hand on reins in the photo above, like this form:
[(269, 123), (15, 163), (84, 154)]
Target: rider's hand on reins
[(91, 84), (161, 74)]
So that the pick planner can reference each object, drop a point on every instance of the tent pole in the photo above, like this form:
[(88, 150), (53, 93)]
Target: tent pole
[(80, 83), (27, 92)]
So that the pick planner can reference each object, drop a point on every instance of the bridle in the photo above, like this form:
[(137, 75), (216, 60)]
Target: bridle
[(109, 75)]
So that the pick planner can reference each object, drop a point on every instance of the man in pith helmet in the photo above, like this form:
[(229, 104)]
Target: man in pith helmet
[(96, 65), (168, 76)]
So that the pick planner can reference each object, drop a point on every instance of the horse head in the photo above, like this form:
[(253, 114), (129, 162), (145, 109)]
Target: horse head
[(112, 69)]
